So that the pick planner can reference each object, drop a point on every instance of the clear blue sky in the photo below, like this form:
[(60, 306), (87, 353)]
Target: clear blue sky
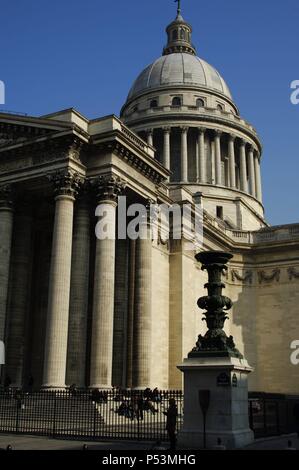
[(57, 54)]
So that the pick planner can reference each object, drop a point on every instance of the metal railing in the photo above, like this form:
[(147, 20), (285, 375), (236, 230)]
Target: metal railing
[(135, 415), (74, 414)]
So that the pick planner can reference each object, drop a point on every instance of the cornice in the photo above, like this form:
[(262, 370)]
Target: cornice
[(181, 118)]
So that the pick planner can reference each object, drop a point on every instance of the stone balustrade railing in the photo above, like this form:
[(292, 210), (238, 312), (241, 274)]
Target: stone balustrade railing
[(270, 235)]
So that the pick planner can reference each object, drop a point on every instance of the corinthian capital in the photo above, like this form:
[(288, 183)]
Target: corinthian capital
[(6, 196), (66, 182), (108, 187)]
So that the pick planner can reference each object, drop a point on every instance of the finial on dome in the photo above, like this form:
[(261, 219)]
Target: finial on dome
[(179, 35), (179, 6)]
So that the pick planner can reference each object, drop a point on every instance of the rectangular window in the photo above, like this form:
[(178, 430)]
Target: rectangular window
[(219, 212)]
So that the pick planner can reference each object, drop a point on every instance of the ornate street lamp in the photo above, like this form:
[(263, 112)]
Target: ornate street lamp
[(215, 343)]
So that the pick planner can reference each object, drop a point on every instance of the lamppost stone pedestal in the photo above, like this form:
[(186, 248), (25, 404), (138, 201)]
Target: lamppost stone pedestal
[(217, 371)]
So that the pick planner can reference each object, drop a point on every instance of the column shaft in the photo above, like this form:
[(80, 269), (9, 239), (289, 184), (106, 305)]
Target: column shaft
[(131, 303), (202, 156), (259, 194), (218, 169), (103, 304), (251, 172), (59, 294), (243, 167), (18, 308), (150, 139), (77, 336), (120, 333), (232, 161), (166, 149), (6, 227), (184, 155), (142, 314)]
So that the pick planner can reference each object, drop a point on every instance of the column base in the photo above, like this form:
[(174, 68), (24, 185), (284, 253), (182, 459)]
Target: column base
[(53, 388), (100, 387)]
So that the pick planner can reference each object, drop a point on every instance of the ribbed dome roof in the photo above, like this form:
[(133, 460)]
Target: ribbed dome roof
[(179, 69)]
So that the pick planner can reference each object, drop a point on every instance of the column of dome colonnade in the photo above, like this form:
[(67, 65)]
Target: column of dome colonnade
[(6, 228), (201, 156), (257, 166), (108, 189), (67, 184), (166, 147), (218, 159), (243, 170), (232, 160)]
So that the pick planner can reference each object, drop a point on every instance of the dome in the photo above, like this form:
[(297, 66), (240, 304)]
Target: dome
[(179, 69)]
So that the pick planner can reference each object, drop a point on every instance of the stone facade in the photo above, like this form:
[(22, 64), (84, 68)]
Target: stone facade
[(76, 309)]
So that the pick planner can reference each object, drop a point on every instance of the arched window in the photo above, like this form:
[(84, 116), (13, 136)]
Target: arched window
[(176, 101), (182, 34), (175, 35), (154, 104), (220, 107), (200, 103)]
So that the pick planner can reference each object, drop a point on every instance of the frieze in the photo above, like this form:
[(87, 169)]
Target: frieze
[(40, 153), (247, 277), (265, 277), (293, 273)]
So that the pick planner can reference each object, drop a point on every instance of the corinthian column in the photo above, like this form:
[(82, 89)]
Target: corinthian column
[(243, 167), (218, 157), (142, 311), (77, 335), (184, 154), (6, 226), (166, 148), (66, 186), (108, 190), (251, 172), (232, 161), (202, 155), (18, 306), (258, 178)]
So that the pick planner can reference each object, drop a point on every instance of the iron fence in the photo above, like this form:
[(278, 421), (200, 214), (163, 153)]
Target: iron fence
[(127, 414), (76, 414)]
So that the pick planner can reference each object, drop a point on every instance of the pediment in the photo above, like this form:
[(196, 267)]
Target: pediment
[(17, 130)]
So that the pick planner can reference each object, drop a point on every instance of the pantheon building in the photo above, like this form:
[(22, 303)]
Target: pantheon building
[(75, 309)]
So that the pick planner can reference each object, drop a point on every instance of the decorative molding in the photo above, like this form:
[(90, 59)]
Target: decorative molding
[(274, 276), (247, 277), (293, 274), (135, 161), (225, 274)]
